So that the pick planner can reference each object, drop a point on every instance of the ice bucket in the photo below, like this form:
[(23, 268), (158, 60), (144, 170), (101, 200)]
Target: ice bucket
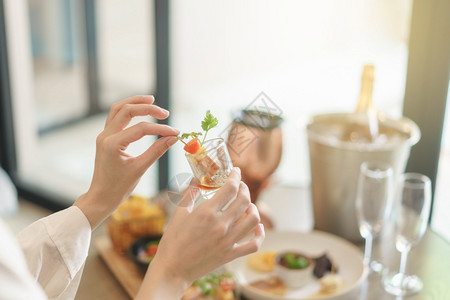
[(335, 160)]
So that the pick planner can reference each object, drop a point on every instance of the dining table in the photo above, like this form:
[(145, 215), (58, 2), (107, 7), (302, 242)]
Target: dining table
[(291, 209)]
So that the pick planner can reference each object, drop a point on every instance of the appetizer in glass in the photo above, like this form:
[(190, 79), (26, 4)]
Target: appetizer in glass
[(209, 159)]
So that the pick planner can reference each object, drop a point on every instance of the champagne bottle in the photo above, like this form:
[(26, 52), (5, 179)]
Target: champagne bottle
[(365, 97), (365, 120)]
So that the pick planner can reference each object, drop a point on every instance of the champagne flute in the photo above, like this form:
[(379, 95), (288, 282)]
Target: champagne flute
[(373, 204), (414, 196)]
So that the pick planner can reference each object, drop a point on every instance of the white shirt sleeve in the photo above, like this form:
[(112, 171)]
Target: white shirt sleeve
[(55, 250), (16, 281)]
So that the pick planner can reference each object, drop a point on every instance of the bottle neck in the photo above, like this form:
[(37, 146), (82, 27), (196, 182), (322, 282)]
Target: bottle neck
[(365, 97)]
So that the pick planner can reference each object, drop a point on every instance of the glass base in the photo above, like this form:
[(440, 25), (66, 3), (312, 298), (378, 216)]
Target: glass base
[(402, 285), (376, 268), (208, 194)]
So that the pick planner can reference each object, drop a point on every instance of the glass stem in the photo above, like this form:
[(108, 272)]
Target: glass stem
[(403, 259), (368, 249)]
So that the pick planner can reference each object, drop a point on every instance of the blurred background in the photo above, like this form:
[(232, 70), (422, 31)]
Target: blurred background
[(67, 61)]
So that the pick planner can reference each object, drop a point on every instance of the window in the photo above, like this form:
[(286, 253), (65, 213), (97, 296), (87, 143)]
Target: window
[(69, 60), (305, 56)]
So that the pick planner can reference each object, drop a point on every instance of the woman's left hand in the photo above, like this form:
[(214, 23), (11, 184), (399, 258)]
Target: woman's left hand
[(197, 241)]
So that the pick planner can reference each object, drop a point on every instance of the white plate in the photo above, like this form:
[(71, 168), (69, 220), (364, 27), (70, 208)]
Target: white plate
[(347, 257)]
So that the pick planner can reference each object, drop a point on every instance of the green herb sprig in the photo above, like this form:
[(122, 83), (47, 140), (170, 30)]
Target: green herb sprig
[(208, 123), (187, 135)]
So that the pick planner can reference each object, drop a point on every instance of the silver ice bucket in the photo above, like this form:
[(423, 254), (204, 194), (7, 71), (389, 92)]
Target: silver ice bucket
[(335, 160)]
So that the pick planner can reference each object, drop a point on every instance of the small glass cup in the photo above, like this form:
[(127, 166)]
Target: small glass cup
[(211, 166)]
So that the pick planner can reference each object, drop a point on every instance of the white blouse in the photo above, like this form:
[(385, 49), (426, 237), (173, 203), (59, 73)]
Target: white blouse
[(47, 258)]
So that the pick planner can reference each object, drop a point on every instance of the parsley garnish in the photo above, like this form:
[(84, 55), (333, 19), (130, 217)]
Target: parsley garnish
[(186, 135), (208, 123)]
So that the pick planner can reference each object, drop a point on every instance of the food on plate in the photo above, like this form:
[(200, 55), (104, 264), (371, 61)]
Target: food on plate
[(326, 272), (148, 252), (294, 260), (330, 284), (285, 264), (211, 287), (263, 261), (272, 285), (323, 265), (136, 207), (144, 249), (134, 218), (294, 269)]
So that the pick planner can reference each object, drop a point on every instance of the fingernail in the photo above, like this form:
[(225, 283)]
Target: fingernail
[(238, 170), (149, 98), (171, 140), (164, 110)]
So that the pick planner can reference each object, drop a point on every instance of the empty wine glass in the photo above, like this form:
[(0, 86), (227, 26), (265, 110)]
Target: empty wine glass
[(373, 204), (414, 196)]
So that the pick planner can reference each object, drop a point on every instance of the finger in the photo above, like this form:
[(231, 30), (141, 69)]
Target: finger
[(252, 245), (189, 196), (129, 111), (186, 204), (228, 191), (239, 205), (249, 220), (115, 108), (156, 150), (142, 129)]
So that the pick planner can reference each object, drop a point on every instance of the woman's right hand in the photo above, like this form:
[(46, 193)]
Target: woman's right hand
[(116, 172), (197, 241)]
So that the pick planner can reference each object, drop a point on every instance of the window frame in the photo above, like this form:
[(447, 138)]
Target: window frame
[(428, 78), (8, 154)]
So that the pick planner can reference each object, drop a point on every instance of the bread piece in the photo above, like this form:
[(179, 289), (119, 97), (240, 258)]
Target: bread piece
[(262, 261), (271, 285), (207, 165), (331, 283)]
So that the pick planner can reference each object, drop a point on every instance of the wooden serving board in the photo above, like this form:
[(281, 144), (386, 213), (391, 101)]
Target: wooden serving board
[(124, 269)]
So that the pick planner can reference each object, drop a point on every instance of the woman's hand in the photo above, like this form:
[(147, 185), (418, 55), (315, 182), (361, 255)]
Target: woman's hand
[(117, 173), (199, 240)]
